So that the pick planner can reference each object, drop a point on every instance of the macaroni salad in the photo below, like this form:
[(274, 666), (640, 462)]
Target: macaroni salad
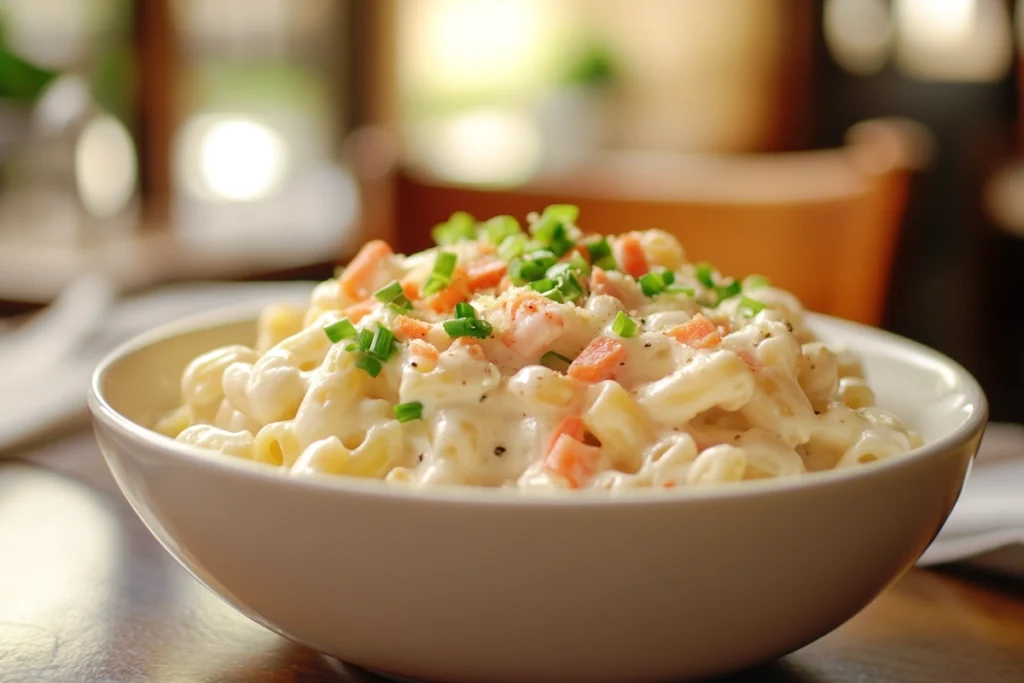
[(537, 359)]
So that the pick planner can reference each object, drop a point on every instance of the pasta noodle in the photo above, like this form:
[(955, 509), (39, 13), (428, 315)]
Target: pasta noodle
[(541, 359)]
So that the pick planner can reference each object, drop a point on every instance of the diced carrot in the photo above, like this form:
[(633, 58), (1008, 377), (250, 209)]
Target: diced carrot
[(456, 291), (424, 356), (406, 328), (422, 349), (669, 484), (357, 312), (698, 332), (472, 346), (411, 289), (598, 361), (571, 426), (487, 275), (630, 256), (357, 278), (600, 283), (573, 460)]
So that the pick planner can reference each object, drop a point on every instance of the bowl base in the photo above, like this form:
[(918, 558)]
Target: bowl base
[(359, 674)]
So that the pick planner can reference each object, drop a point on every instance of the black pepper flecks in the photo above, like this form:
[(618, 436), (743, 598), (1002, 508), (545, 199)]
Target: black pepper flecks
[(647, 345), (483, 397), (419, 458), (499, 450)]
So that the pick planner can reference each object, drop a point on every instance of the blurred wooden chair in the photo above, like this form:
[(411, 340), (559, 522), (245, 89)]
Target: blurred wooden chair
[(823, 224)]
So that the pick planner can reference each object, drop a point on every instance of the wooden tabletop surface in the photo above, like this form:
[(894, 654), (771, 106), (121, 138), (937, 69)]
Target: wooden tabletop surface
[(88, 596)]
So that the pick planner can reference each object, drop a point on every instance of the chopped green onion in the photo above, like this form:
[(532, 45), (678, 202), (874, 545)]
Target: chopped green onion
[(550, 233), (543, 257), (564, 213), (561, 245), (500, 228), (531, 267), (555, 295), (704, 272), (576, 265), (444, 264), (364, 339), (688, 291), (389, 292), (728, 291), (461, 226), (556, 271), (570, 286), (555, 361), (394, 296), (464, 310), (748, 307), (601, 254), (547, 228), (407, 412), (652, 284), (481, 329), (435, 283), (624, 326), (370, 364), (561, 284), (342, 329), (382, 344), (441, 275), (579, 264), (515, 273), (522, 271), (655, 283), (543, 285), (756, 282), (468, 327), (512, 246)]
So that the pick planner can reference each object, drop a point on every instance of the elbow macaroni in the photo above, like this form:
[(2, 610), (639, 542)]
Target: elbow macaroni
[(720, 381)]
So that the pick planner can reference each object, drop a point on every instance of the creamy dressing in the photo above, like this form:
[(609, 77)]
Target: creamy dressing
[(706, 391)]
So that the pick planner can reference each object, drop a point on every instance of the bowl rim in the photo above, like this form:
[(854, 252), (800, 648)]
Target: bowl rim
[(894, 345)]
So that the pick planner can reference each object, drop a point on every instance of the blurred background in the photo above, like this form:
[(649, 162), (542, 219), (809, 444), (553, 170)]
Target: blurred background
[(865, 153)]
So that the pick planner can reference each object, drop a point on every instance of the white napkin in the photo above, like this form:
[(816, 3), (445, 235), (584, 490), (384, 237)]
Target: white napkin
[(31, 404), (986, 527)]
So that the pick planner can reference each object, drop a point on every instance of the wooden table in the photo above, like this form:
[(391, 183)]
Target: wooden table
[(88, 596)]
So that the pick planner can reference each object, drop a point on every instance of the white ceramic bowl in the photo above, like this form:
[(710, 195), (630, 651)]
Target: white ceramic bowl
[(487, 585)]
